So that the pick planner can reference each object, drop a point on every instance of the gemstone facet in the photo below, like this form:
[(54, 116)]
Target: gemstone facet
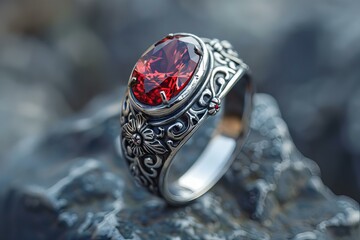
[(165, 69)]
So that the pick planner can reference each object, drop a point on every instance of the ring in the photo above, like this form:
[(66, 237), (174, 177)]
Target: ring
[(175, 86)]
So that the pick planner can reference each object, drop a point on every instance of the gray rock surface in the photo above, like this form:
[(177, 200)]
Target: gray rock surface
[(72, 183)]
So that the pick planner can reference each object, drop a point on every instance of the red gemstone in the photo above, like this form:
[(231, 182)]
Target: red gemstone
[(167, 66)]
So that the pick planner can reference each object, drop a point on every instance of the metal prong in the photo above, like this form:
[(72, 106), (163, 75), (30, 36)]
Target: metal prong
[(164, 98), (132, 81), (198, 51), (170, 36)]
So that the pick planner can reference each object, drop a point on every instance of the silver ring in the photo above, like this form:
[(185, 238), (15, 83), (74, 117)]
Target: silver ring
[(176, 85)]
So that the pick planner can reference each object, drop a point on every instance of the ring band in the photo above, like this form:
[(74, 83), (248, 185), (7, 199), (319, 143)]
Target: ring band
[(176, 85)]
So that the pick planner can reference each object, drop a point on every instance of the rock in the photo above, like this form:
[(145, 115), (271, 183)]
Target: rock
[(72, 183)]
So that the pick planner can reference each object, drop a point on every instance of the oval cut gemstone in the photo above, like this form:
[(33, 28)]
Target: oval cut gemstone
[(165, 69)]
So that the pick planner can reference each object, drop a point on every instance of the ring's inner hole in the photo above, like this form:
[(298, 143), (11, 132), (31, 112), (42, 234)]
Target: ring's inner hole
[(204, 158)]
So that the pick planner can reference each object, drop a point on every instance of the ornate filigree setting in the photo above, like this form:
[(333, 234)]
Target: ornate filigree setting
[(148, 141)]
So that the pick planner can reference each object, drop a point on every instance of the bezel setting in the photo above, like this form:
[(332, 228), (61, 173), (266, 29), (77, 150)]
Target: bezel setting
[(199, 77)]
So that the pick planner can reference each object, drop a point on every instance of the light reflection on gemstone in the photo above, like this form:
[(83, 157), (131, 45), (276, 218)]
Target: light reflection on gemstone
[(166, 67)]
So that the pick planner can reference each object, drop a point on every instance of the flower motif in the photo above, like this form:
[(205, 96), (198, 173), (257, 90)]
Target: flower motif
[(141, 138), (214, 106)]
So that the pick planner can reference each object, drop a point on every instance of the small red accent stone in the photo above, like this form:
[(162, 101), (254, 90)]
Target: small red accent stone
[(217, 106), (167, 66)]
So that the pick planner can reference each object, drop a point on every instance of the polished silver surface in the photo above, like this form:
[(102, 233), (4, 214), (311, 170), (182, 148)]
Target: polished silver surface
[(151, 136)]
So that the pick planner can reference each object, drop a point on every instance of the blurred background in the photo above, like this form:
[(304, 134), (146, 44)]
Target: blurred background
[(56, 56)]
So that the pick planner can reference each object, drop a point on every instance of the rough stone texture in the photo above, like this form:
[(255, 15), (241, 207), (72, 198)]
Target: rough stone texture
[(72, 183)]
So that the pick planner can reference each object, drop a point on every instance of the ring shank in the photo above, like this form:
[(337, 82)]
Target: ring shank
[(219, 153)]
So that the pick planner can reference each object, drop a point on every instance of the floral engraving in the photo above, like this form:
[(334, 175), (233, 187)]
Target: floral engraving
[(141, 138), (214, 106)]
